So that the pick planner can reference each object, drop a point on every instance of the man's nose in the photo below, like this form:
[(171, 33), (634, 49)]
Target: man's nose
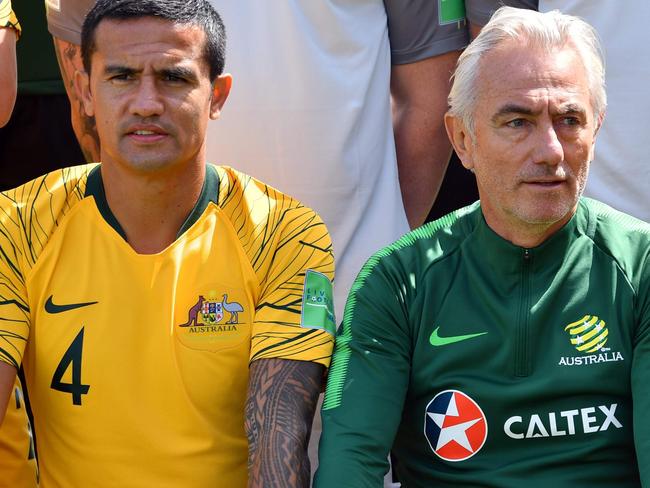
[(548, 148), (147, 100)]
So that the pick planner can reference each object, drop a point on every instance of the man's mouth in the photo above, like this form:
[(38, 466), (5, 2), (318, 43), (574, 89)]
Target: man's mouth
[(545, 183), (146, 135)]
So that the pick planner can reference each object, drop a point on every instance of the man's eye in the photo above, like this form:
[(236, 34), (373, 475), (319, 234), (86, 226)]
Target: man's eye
[(173, 78), (516, 123), (570, 121), (121, 77)]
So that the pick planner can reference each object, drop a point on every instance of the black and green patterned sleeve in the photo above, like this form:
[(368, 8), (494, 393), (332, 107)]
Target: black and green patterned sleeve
[(367, 381), (14, 306)]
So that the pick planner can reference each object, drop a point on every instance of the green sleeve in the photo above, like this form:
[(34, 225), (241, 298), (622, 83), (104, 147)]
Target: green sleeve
[(367, 381), (641, 377)]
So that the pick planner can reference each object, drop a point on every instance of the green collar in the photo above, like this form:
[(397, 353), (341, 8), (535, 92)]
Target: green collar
[(547, 256), (209, 193)]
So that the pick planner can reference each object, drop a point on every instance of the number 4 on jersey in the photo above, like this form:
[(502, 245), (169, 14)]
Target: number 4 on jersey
[(71, 357)]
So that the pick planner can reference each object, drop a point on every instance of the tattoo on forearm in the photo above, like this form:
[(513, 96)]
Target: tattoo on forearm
[(279, 411), (85, 128)]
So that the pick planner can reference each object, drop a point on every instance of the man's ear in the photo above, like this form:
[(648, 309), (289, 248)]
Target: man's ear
[(82, 88), (220, 91), (461, 139)]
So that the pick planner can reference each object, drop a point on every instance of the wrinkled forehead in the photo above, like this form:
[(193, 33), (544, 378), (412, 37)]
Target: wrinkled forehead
[(514, 70), (148, 42)]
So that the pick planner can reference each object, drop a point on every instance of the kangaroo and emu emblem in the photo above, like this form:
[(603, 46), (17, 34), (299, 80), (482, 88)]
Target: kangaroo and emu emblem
[(210, 312)]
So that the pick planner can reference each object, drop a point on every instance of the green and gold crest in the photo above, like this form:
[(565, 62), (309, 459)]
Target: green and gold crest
[(589, 334)]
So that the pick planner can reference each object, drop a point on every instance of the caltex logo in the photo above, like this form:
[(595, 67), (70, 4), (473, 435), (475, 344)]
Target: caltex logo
[(455, 426)]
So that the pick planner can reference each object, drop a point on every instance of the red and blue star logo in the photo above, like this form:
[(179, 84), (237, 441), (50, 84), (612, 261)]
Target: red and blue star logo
[(455, 426)]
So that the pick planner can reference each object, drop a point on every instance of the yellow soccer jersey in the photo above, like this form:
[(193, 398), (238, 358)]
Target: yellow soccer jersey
[(137, 365), (17, 460)]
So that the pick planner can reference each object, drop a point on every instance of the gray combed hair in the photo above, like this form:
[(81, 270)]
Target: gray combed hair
[(543, 30)]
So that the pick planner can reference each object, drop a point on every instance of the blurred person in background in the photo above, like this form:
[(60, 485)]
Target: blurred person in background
[(9, 32), (39, 136), (64, 21)]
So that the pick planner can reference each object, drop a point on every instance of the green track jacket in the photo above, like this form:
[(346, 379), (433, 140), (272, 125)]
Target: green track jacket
[(483, 364)]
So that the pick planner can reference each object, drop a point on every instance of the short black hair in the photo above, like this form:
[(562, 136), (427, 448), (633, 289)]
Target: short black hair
[(193, 12)]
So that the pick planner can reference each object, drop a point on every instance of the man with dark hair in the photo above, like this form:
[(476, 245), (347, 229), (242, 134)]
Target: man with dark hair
[(42, 110), (174, 319), (195, 12)]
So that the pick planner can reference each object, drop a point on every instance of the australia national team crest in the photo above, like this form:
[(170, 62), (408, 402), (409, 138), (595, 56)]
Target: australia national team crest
[(589, 336), (214, 321), (455, 426)]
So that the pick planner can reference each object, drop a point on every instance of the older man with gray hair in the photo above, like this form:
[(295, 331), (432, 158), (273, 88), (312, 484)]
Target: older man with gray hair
[(508, 342)]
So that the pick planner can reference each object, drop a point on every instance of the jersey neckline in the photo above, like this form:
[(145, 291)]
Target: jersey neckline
[(209, 193)]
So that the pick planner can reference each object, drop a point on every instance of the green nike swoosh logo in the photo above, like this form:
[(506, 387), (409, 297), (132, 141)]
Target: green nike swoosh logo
[(436, 340), (51, 307)]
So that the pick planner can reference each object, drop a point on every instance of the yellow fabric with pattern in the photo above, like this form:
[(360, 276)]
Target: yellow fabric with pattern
[(7, 16), (137, 365), (17, 460)]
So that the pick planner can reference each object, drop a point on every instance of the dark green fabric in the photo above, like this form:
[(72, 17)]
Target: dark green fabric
[(504, 311), (209, 193), (38, 70)]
